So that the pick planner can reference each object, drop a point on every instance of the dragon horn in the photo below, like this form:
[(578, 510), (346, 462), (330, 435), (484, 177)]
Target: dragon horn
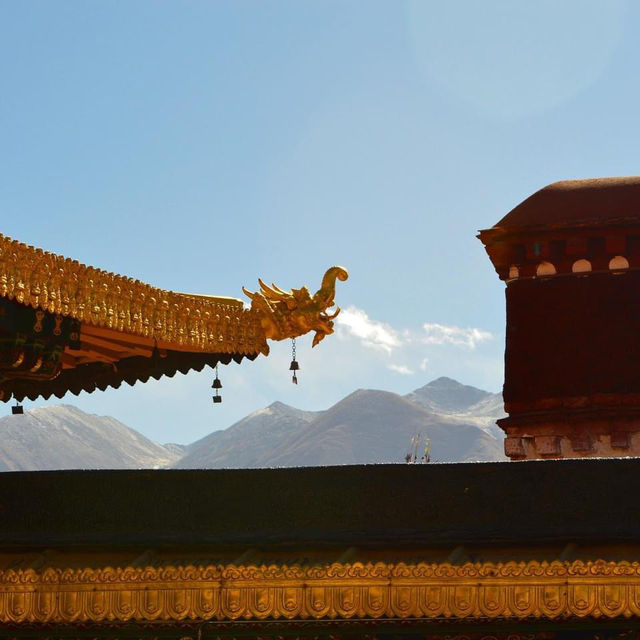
[(272, 294), (249, 294), (279, 290), (327, 291)]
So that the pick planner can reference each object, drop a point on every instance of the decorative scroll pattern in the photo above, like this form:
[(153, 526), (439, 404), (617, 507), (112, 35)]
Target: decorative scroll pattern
[(339, 591), (59, 285)]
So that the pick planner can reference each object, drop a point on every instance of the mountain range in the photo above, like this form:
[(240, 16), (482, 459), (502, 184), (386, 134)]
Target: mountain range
[(367, 426)]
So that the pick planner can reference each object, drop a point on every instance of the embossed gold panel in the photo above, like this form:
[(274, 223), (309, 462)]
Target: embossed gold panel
[(338, 591)]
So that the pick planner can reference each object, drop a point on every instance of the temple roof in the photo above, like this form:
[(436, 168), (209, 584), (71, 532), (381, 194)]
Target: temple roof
[(59, 285), (350, 549), (591, 202), (65, 326)]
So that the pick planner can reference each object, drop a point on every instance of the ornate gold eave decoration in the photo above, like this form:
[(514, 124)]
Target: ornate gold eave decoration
[(509, 591), (210, 324)]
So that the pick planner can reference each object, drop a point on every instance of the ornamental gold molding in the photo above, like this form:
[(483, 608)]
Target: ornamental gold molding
[(506, 591), (62, 286)]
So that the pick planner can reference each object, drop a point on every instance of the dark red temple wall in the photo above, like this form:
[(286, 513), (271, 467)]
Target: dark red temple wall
[(572, 336)]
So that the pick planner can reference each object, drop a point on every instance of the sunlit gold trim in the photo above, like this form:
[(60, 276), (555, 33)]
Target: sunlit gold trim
[(59, 285), (349, 591)]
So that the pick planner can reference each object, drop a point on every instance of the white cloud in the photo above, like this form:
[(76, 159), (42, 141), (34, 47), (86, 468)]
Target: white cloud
[(444, 334), (371, 333), (424, 364), (401, 369), (356, 323)]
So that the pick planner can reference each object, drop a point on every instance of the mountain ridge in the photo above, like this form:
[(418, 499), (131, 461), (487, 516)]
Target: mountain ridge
[(375, 426), (59, 436), (366, 426)]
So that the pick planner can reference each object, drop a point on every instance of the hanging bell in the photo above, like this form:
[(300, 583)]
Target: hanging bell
[(294, 366), (217, 399)]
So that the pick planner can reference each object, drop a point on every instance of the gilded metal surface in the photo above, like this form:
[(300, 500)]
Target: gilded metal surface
[(62, 286), (505, 591), (289, 314), (59, 285)]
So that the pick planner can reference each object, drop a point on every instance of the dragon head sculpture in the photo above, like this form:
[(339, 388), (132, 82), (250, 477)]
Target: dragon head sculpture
[(289, 314)]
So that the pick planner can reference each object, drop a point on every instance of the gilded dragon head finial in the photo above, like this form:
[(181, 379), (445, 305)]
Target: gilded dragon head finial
[(289, 314)]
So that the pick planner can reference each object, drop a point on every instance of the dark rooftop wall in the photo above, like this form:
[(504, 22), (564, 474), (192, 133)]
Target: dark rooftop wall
[(367, 506)]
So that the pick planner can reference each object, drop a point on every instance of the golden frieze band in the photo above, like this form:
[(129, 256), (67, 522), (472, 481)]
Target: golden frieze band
[(509, 590)]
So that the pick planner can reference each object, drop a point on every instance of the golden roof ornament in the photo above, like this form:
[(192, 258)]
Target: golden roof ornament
[(290, 314)]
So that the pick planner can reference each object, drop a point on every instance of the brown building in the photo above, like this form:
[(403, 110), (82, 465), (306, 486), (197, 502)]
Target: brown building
[(570, 257)]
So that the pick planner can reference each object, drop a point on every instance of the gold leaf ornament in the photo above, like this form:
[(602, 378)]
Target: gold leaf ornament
[(290, 314)]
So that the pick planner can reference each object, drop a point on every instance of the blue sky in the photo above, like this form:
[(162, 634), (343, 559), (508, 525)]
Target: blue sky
[(200, 145)]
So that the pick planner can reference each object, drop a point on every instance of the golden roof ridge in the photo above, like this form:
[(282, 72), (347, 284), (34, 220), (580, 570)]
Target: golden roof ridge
[(60, 285)]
